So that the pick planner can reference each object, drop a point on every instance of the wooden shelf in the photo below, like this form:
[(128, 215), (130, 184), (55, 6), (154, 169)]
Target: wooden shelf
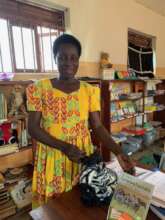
[(117, 127), (146, 96), (125, 80), (13, 119), (127, 99), (21, 82), (133, 116), (17, 159)]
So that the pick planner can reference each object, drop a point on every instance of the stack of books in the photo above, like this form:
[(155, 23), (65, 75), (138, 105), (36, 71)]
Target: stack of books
[(15, 175), (134, 130), (7, 206), (8, 148), (107, 73), (119, 137)]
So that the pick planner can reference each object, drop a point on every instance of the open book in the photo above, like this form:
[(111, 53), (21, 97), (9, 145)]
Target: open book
[(155, 178), (131, 199)]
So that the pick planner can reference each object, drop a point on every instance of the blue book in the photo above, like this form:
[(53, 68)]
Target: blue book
[(159, 211)]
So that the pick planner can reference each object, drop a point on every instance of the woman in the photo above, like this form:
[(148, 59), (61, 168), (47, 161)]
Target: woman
[(59, 111)]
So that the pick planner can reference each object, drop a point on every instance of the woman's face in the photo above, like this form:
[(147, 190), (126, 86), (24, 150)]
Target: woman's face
[(67, 61)]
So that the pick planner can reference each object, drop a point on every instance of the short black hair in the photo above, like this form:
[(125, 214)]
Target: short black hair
[(66, 39)]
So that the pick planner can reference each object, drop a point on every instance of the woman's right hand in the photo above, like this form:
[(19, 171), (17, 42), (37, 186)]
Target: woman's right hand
[(73, 153)]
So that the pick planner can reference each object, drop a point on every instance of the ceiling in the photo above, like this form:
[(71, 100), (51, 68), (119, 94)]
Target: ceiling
[(157, 6)]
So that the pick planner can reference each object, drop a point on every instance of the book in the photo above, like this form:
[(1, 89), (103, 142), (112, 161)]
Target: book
[(134, 130), (156, 178), (8, 148), (131, 199), (160, 212), (21, 194), (13, 175), (2, 180)]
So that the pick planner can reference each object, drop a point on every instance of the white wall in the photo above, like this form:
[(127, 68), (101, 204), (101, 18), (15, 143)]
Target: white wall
[(103, 25)]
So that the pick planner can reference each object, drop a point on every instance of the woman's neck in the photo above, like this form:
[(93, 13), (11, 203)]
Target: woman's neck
[(64, 80)]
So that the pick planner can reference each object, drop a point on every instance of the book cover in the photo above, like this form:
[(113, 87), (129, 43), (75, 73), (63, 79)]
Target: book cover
[(131, 199), (159, 211)]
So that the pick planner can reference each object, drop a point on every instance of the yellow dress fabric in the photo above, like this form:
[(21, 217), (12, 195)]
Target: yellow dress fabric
[(65, 117)]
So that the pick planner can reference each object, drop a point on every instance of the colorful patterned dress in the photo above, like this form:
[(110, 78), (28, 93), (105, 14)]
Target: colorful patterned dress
[(65, 117)]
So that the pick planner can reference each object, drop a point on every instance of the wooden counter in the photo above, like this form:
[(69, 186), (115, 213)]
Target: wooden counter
[(69, 207)]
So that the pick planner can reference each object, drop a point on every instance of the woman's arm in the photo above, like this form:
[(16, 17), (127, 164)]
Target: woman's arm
[(105, 138), (101, 132), (42, 136)]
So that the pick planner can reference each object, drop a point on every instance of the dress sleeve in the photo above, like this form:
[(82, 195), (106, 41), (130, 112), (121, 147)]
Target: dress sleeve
[(34, 97), (94, 99)]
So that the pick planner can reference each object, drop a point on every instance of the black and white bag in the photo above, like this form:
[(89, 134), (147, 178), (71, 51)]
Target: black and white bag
[(97, 182)]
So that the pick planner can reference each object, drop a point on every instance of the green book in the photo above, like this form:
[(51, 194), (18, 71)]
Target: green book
[(131, 199)]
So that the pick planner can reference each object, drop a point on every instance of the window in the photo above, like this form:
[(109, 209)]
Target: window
[(27, 34), (140, 55)]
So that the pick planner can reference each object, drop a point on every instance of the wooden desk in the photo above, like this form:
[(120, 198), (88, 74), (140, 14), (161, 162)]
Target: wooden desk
[(69, 207)]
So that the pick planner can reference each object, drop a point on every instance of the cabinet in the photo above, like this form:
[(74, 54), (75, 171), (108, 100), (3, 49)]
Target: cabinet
[(16, 122)]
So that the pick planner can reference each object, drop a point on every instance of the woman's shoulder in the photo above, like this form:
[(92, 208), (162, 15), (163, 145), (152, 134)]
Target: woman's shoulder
[(42, 83), (88, 86)]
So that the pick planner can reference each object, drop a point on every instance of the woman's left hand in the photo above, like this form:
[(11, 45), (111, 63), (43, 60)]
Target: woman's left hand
[(126, 164)]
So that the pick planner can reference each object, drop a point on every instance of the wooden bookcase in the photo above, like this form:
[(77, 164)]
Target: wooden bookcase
[(106, 97), (137, 85), (24, 155)]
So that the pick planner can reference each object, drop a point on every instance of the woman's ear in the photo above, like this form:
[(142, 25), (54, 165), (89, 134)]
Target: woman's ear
[(55, 59)]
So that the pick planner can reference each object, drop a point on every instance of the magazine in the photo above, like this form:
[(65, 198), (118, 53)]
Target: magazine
[(131, 199)]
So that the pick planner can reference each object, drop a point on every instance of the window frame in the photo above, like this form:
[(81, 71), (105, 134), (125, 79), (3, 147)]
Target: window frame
[(14, 19), (143, 41)]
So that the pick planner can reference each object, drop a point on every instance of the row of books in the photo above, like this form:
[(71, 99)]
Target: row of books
[(133, 138), (124, 96), (7, 206), (13, 135), (3, 106), (117, 89), (122, 110), (110, 74)]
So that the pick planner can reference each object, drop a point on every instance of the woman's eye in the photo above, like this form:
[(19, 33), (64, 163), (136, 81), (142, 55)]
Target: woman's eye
[(61, 58), (74, 59), (65, 59)]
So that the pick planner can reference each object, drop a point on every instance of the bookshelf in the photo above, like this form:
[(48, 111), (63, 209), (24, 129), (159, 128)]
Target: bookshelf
[(109, 99), (23, 155), (115, 120)]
